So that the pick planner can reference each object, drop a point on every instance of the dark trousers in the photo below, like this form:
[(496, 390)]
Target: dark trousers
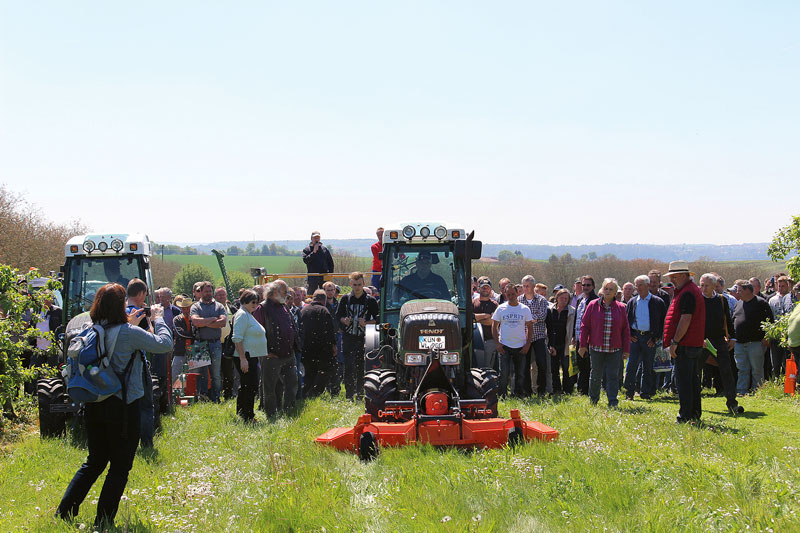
[(319, 369), (248, 388), (147, 413), (778, 356), (687, 375), (105, 422), (512, 358), (556, 366), (539, 352), (584, 371), (314, 283), (353, 354), (725, 371), (641, 356), (278, 383), (229, 366)]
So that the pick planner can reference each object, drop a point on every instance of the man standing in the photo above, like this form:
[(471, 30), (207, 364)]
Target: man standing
[(318, 260), (354, 312), (512, 326), (750, 342), (319, 345), (780, 303), (377, 264), (538, 306), (655, 287), (229, 374), (684, 333), (646, 314), (577, 293), (483, 307), (628, 291), (209, 317), (584, 363), (280, 360)]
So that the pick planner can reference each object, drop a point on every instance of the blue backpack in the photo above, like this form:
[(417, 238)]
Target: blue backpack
[(88, 371)]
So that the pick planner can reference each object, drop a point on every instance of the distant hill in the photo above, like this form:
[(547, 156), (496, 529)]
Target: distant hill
[(662, 252)]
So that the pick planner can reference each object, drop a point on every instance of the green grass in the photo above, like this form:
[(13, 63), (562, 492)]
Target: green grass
[(273, 264), (624, 470)]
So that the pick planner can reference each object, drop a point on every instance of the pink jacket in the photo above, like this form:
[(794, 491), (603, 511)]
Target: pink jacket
[(592, 326)]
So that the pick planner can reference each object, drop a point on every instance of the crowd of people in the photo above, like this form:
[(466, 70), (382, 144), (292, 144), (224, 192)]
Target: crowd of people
[(703, 334)]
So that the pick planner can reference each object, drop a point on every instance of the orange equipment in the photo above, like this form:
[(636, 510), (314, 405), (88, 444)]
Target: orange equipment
[(790, 382)]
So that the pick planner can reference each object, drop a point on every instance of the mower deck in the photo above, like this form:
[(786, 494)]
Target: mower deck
[(440, 431)]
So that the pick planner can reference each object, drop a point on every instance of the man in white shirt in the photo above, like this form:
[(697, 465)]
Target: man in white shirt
[(512, 326)]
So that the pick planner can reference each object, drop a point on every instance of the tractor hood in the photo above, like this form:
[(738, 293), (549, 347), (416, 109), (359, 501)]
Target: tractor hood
[(426, 324)]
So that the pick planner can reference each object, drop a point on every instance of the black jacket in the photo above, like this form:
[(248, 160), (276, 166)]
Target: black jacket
[(319, 337), (319, 261), (658, 312)]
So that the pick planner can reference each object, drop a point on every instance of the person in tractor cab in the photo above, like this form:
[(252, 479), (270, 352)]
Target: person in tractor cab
[(423, 283)]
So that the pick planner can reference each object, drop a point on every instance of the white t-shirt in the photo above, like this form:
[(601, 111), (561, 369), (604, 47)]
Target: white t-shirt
[(513, 322)]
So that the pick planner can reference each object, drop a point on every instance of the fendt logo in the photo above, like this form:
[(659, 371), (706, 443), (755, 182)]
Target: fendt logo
[(431, 331)]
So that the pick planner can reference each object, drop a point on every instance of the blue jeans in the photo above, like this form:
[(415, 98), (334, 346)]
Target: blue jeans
[(749, 358), (215, 347), (512, 356), (608, 364), (644, 355), (375, 281)]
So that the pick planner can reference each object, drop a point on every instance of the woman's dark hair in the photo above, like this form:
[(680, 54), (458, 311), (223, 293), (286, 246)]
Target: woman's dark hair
[(248, 296), (109, 305)]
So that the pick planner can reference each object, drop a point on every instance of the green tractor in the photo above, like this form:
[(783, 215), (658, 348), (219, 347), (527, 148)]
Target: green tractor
[(91, 261), (426, 315)]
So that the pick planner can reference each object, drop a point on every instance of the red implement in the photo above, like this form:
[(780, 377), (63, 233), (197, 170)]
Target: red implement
[(471, 433)]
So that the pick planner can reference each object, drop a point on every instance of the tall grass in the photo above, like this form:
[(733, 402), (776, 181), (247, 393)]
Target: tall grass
[(621, 470)]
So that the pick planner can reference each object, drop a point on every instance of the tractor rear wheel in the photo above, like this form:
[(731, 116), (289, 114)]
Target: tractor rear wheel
[(51, 392), (380, 386), (482, 384)]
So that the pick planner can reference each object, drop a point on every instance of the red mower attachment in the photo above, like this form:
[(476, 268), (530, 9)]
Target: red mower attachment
[(436, 428)]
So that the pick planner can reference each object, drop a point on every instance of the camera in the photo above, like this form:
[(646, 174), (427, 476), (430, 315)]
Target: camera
[(146, 311)]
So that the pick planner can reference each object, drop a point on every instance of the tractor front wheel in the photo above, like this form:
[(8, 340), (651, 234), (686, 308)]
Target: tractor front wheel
[(482, 385), (380, 386), (51, 392)]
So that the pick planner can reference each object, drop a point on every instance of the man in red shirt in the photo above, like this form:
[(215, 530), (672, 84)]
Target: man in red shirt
[(377, 265)]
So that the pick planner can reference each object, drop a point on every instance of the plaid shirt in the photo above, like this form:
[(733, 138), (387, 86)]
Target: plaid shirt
[(538, 306), (606, 347)]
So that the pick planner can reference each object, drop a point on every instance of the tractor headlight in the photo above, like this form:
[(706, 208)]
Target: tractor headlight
[(425, 232), (102, 246), (440, 232), (415, 359), (449, 358), (409, 232), (116, 245), (88, 246)]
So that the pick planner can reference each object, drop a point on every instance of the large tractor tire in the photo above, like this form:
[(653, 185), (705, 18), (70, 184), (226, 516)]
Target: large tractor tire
[(380, 386), (156, 402), (51, 392), (482, 384)]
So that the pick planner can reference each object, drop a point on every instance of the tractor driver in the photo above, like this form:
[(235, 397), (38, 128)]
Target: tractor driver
[(423, 283)]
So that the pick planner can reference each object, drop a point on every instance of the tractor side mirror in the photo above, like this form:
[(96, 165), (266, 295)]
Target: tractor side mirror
[(470, 253)]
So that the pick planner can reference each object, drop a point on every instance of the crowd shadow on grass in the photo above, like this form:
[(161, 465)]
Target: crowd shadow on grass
[(752, 415), (635, 409)]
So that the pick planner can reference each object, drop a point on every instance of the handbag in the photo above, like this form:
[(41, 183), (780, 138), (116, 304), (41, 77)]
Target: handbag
[(573, 361)]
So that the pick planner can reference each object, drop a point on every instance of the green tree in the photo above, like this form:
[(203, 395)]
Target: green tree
[(233, 250), (188, 275), (238, 280), (505, 256), (264, 249), (250, 249), (785, 243)]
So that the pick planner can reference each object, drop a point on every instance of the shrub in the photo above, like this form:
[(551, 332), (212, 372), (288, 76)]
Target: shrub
[(188, 275)]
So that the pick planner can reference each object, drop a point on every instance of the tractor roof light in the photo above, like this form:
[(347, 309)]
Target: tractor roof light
[(102, 246), (455, 234), (393, 235), (425, 232), (133, 246), (440, 232), (88, 246), (73, 248), (409, 232), (116, 245)]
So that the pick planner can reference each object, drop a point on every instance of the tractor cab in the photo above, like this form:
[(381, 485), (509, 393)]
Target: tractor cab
[(92, 261)]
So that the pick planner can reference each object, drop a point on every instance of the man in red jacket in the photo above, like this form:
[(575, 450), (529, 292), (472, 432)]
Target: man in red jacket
[(684, 333), (377, 264)]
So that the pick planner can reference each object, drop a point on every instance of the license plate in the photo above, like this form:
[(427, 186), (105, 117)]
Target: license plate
[(426, 342)]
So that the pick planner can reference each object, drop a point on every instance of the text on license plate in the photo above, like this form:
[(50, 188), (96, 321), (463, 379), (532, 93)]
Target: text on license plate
[(426, 342)]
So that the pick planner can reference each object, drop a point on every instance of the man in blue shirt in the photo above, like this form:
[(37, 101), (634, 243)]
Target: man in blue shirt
[(646, 313)]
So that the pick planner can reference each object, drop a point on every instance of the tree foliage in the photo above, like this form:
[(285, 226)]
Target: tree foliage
[(188, 275), (238, 280), (18, 331), (786, 243)]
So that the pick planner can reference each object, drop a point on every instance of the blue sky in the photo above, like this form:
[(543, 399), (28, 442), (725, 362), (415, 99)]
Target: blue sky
[(530, 122)]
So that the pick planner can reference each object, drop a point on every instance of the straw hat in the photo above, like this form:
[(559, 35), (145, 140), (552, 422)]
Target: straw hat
[(679, 267), (182, 301)]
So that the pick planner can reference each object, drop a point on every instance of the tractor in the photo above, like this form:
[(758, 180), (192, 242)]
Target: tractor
[(91, 261), (421, 386)]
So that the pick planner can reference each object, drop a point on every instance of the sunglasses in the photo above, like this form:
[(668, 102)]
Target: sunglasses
[(587, 285)]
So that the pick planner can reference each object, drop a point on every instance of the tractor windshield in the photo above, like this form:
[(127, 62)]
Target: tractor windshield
[(85, 275), (418, 272)]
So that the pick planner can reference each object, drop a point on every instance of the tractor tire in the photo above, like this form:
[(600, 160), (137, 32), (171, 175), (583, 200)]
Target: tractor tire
[(156, 402), (379, 386), (515, 438), (51, 392), (482, 384)]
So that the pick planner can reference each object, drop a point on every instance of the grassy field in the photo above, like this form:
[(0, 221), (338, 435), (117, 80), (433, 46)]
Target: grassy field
[(273, 264), (621, 470)]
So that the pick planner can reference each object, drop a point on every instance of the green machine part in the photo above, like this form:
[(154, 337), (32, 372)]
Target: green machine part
[(225, 279)]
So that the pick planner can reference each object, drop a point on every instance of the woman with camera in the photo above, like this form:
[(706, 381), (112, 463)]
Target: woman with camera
[(113, 425), (250, 340)]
